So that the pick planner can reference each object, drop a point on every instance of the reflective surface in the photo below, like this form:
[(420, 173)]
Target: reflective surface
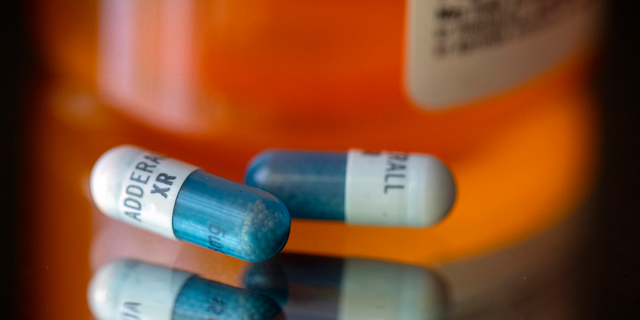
[(541, 278)]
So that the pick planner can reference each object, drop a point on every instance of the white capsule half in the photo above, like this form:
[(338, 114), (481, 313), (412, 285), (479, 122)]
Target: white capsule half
[(397, 189), (378, 290), (129, 289), (121, 181)]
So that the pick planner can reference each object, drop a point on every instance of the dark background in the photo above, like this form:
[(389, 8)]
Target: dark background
[(17, 66), (617, 84), (618, 89)]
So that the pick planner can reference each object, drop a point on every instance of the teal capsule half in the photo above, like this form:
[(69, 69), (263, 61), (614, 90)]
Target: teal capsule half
[(225, 216)]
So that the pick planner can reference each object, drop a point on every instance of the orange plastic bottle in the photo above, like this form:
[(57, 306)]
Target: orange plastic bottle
[(499, 92), (449, 74)]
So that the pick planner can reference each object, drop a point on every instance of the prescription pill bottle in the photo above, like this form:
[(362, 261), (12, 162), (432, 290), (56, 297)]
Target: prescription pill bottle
[(497, 89), (447, 73)]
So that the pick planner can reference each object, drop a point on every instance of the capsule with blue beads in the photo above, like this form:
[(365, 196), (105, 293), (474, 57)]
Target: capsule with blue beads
[(182, 202), (357, 187)]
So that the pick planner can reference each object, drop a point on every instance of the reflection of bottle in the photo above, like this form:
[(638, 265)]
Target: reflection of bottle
[(129, 289), (351, 288)]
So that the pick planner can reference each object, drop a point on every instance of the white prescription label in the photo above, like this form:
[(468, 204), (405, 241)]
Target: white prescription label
[(149, 292), (149, 189), (376, 188), (459, 51)]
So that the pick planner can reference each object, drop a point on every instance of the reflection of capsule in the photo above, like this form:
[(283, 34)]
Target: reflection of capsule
[(351, 288), (129, 289), (180, 201), (370, 188)]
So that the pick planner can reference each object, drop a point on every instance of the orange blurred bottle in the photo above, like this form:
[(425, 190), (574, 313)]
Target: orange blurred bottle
[(448, 73), (497, 89)]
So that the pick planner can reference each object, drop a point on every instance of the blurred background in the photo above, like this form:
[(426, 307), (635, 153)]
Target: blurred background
[(544, 147)]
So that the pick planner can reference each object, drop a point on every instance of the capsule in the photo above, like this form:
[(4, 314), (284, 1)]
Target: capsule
[(130, 289), (352, 288), (181, 202), (358, 187)]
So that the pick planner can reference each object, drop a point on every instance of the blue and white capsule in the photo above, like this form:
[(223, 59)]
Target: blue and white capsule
[(130, 289), (182, 202), (358, 187)]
